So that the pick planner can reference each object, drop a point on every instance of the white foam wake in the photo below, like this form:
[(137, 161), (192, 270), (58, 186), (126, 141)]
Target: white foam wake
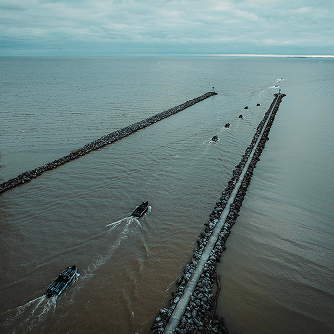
[(31, 313), (129, 223)]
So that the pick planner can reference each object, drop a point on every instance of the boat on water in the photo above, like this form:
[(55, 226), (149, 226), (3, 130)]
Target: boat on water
[(140, 210), (214, 138), (61, 282)]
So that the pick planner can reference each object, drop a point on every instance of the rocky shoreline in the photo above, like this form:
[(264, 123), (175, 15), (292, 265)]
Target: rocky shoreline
[(101, 142), (199, 315)]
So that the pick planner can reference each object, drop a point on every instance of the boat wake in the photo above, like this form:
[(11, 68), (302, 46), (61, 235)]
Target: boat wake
[(209, 144), (276, 84), (127, 220), (30, 314), (244, 120), (128, 225), (224, 128)]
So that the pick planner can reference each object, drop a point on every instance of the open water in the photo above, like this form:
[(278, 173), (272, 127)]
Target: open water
[(277, 272)]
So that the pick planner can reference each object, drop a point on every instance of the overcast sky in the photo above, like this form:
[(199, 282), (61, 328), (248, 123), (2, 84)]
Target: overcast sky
[(103, 27)]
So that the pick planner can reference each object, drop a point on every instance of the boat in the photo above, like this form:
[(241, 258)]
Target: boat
[(214, 138), (227, 125), (140, 210), (61, 282), (240, 116)]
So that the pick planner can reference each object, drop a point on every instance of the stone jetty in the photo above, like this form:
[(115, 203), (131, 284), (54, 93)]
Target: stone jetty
[(103, 141), (192, 306)]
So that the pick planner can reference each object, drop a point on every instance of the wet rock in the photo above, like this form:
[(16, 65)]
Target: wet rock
[(101, 142), (197, 317)]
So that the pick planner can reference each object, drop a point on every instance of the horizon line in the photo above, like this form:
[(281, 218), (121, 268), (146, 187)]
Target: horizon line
[(186, 54)]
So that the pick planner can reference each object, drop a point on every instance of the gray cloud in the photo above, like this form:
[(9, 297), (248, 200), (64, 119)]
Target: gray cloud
[(166, 26)]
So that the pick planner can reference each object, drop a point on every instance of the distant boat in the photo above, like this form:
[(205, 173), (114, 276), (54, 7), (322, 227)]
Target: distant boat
[(240, 116), (61, 282), (227, 125), (246, 107), (140, 210), (214, 138), (258, 105)]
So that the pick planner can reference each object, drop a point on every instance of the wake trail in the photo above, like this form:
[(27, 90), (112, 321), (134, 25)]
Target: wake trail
[(33, 312), (29, 315), (130, 223), (126, 220)]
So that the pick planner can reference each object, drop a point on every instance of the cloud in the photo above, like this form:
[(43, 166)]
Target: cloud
[(167, 26)]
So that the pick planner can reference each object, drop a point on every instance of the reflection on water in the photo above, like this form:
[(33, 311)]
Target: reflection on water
[(277, 270)]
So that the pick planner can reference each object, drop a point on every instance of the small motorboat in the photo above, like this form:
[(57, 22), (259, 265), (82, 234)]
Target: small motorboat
[(140, 210), (246, 107), (214, 138), (227, 125), (240, 116), (61, 282), (258, 105)]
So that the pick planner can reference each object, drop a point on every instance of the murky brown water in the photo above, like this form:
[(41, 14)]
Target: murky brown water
[(277, 269)]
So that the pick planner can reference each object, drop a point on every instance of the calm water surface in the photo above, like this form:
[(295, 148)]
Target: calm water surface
[(277, 272)]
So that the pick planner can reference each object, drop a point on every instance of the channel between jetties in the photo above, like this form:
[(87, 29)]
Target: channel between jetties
[(192, 306), (101, 142)]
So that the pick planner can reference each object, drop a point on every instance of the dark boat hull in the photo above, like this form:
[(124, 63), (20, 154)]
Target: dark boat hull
[(140, 210), (214, 138), (61, 282)]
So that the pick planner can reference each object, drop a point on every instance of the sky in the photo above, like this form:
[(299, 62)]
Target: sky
[(111, 27)]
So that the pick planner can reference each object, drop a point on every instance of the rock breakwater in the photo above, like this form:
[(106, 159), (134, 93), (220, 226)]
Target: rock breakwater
[(192, 306), (101, 142)]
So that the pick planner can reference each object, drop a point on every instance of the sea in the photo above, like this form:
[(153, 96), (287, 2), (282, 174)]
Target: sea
[(277, 273)]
